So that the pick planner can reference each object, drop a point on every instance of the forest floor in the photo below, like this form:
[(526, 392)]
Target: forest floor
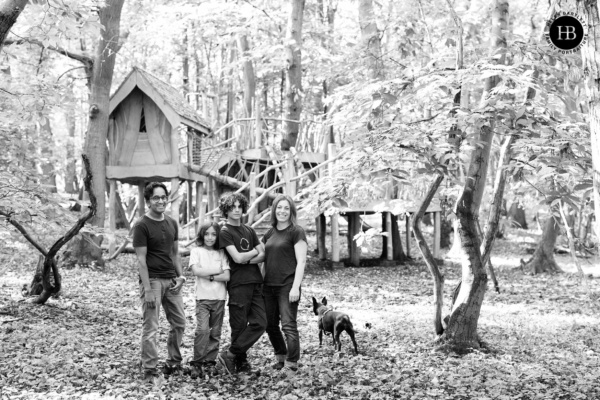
[(542, 335)]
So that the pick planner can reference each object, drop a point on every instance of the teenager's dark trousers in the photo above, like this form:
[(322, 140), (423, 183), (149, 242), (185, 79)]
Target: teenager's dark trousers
[(247, 317), (279, 309)]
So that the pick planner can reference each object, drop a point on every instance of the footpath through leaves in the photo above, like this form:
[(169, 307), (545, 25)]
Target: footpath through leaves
[(542, 332)]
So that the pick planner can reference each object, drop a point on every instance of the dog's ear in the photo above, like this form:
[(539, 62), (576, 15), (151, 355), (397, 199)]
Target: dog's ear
[(324, 301), (315, 306)]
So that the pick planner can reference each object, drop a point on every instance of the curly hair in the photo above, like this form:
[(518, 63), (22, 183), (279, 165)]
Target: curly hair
[(227, 201), (202, 232), (293, 212), (149, 189)]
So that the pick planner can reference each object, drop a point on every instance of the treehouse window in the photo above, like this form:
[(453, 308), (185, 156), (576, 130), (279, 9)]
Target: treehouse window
[(143, 122)]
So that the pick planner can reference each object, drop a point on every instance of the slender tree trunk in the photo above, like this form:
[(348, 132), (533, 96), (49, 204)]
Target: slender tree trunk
[(9, 12), (293, 75), (71, 184), (46, 162), (543, 257), (248, 74), (396, 241), (461, 332), (591, 61), (370, 38), (110, 16)]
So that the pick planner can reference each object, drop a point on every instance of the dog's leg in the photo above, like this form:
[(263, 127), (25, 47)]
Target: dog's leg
[(351, 334), (338, 332), (320, 337)]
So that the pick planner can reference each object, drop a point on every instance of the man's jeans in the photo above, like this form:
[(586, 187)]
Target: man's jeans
[(247, 317), (279, 309), (209, 320), (172, 303)]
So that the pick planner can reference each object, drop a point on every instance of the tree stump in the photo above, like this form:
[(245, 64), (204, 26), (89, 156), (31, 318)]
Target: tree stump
[(83, 250)]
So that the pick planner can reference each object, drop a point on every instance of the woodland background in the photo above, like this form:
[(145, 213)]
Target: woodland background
[(445, 98)]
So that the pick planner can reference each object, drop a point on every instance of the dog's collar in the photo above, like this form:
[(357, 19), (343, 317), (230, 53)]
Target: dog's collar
[(327, 309)]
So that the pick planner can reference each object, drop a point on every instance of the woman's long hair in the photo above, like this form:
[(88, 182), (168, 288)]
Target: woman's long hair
[(293, 212), (202, 232)]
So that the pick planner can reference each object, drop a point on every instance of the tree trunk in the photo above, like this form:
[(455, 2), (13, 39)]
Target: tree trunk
[(9, 12), (461, 332), (516, 213), (248, 73), (370, 38), (71, 184), (95, 141), (591, 64), (46, 164), (396, 241), (293, 76), (543, 257)]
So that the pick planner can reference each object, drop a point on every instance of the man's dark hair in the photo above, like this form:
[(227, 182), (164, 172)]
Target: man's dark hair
[(149, 189), (227, 201)]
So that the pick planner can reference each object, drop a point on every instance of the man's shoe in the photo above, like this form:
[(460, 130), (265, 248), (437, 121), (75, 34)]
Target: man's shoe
[(151, 377), (197, 371), (227, 361)]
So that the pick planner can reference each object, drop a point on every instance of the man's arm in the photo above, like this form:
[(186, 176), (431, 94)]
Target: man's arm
[(180, 280), (261, 254), (144, 276)]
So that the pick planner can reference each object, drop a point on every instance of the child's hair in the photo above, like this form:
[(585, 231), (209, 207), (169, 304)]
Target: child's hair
[(202, 232), (227, 201), (293, 211)]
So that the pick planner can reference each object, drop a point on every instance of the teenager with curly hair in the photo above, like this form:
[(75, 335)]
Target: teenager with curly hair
[(247, 316)]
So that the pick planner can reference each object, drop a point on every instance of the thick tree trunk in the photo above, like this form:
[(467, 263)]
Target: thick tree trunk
[(293, 75), (396, 241), (95, 143), (543, 257), (9, 12), (591, 61), (370, 38)]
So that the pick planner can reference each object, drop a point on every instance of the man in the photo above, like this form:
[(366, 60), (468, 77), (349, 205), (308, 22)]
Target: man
[(155, 239), (247, 316)]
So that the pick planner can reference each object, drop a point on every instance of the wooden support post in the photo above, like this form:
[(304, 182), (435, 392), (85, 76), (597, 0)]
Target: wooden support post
[(437, 234), (252, 195), (141, 200), (390, 241), (258, 131), (407, 235), (321, 224), (189, 205), (210, 199), (175, 146), (199, 205), (175, 203), (290, 172), (353, 229), (215, 195), (112, 215)]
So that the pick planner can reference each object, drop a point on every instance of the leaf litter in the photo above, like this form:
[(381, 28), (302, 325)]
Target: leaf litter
[(542, 335)]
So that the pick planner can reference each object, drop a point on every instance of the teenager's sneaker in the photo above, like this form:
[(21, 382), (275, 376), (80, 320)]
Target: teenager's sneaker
[(278, 365), (197, 371), (227, 361), (171, 369), (242, 365), (288, 371)]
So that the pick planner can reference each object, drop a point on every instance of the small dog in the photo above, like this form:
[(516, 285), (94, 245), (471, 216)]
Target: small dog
[(333, 322)]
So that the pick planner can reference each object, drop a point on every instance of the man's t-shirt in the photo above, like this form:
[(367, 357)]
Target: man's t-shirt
[(280, 257), (158, 237), (244, 239)]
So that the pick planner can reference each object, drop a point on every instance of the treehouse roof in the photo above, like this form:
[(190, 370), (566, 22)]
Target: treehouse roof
[(166, 97)]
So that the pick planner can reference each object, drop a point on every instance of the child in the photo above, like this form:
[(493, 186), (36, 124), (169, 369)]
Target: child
[(211, 268), (247, 316)]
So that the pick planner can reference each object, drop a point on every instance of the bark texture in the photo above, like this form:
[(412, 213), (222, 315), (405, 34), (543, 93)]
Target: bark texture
[(591, 64), (95, 143), (370, 38), (396, 241), (248, 74), (9, 12), (293, 75)]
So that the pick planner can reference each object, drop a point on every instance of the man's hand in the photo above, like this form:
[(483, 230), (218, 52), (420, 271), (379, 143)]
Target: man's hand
[(178, 284), (149, 298), (294, 294)]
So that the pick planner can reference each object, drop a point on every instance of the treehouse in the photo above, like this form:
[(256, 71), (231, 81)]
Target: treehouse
[(153, 135)]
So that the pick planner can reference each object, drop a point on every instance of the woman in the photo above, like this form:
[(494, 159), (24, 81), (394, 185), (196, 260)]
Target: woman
[(285, 259)]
